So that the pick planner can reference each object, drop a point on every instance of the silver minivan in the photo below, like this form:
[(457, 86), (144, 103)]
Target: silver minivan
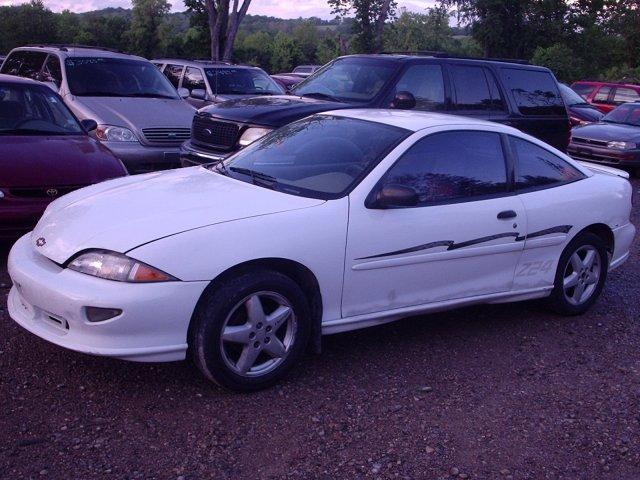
[(141, 117)]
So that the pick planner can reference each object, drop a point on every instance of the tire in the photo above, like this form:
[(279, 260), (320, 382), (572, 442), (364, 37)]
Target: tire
[(263, 338), (569, 300)]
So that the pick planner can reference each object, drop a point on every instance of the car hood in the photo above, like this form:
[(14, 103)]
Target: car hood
[(272, 111), (608, 132), (54, 161), (585, 112), (134, 113), (125, 213)]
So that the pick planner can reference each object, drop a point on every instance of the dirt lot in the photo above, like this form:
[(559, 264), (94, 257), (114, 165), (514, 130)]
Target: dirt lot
[(493, 392)]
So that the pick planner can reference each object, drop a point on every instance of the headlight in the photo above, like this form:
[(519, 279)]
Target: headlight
[(622, 145), (250, 135), (118, 267), (109, 133)]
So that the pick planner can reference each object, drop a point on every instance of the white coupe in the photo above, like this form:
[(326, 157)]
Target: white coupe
[(339, 221)]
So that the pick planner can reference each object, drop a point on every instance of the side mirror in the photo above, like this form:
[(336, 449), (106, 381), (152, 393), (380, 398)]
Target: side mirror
[(393, 195), (89, 125), (403, 101), (183, 92), (199, 94)]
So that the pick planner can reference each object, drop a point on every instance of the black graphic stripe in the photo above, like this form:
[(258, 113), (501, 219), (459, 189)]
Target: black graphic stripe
[(451, 245)]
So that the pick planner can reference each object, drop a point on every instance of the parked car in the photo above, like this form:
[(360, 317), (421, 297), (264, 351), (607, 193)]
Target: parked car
[(287, 81), (44, 153), (208, 83), (607, 95), (613, 141), (520, 95), (580, 111), (331, 223), (140, 116), (305, 70)]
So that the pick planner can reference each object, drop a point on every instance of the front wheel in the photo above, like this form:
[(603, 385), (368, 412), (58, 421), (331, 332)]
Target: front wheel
[(582, 271), (251, 330)]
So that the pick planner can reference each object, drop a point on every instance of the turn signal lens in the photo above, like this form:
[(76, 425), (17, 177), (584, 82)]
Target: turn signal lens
[(144, 273)]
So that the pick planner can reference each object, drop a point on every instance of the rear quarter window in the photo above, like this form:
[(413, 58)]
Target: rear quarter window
[(583, 89), (535, 92)]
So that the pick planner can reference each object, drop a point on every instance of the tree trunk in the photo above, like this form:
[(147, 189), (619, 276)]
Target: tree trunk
[(384, 14), (232, 28)]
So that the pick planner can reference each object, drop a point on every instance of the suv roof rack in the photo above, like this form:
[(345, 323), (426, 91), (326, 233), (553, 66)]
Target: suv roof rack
[(437, 54), (66, 46)]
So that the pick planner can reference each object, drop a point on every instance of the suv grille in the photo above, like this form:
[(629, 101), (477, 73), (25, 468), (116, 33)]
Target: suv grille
[(166, 135), (42, 192), (214, 133)]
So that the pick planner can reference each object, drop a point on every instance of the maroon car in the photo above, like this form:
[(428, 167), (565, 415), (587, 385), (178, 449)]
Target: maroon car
[(45, 152)]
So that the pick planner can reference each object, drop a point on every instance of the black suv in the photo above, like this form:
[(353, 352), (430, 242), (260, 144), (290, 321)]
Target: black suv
[(524, 96)]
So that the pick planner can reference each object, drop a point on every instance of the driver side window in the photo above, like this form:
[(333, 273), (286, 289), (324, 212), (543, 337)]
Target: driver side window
[(426, 84), (452, 167)]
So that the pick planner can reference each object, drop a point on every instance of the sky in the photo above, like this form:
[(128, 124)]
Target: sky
[(275, 8)]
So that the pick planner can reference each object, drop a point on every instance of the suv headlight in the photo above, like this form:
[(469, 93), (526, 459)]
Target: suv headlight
[(250, 135), (118, 267), (622, 145), (109, 133)]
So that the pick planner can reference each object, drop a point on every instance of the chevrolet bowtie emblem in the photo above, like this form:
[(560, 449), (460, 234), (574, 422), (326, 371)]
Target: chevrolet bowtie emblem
[(40, 242)]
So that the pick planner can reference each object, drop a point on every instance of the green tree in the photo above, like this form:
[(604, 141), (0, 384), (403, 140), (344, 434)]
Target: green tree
[(306, 36), (27, 23), (327, 50), (418, 32), (369, 21), (560, 59), (285, 53), (148, 15)]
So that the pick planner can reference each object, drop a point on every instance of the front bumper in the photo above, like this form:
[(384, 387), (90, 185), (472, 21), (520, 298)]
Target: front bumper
[(49, 301), (190, 155), (139, 158), (606, 156)]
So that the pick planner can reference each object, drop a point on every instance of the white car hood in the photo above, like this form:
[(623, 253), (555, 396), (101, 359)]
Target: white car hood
[(124, 213)]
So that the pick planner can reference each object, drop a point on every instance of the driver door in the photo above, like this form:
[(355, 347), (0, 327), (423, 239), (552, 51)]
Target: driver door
[(463, 239)]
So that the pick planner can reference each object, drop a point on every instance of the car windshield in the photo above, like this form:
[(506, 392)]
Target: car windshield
[(350, 80), (319, 157), (628, 114), (28, 110), (570, 97), (241, 81), (116, 77)]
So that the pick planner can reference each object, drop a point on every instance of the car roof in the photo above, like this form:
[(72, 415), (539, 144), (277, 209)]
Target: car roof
[(607, 84), (70, 51), (19, 80), (200, 63), (411, 119), (410, 57)]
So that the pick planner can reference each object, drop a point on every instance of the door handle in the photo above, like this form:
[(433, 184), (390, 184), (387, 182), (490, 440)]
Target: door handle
[(507, 214)]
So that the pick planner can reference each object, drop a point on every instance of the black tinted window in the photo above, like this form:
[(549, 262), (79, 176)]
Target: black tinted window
[(193, 79), (24, 64), (475, 88), (537, 167), (452, 166), (535, 92), (425, 83), (173, 73)]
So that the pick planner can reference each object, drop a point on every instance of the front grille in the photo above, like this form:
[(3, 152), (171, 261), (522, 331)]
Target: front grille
[(42, 192), (589, 141), (166, 135), (214, 133)]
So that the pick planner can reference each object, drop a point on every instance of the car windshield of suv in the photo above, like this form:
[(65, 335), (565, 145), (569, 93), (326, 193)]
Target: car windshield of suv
[(116, 77), (319, 157), (26, 110), (348, 80), (570, 97), (628, 114), (241, 81)]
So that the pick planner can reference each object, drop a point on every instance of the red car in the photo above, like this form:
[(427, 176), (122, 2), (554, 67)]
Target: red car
[(45, 152), (607, 95)]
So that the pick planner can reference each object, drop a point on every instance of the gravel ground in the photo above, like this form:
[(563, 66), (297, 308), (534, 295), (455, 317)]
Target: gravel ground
[(491, 392)]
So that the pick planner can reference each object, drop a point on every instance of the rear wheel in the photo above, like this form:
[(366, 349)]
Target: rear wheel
[(582, 271), (249, 331)]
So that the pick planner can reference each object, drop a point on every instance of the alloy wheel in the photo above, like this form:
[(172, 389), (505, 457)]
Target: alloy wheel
[(582, 274)]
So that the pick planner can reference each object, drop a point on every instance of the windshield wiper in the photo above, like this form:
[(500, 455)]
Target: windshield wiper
[(258, 178), (321, 95)]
